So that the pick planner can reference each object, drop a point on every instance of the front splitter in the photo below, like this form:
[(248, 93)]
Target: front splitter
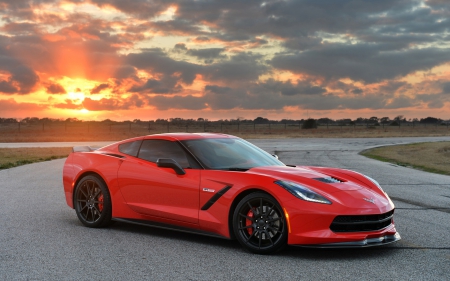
[(370, 242)]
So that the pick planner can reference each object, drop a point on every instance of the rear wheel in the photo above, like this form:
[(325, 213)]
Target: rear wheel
[(92, 202), (259, 224)]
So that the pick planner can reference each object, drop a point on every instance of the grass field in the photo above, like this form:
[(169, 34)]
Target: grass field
[(13, 157), (431, 157), (114, 132)]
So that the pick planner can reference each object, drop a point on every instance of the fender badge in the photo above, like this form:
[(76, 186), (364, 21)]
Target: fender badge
[(208, 190), (371, 200)]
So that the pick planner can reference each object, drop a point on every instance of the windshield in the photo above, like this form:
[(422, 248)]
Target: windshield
[(229, 154)]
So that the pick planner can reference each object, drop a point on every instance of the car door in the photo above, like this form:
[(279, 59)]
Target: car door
[(157, 191)]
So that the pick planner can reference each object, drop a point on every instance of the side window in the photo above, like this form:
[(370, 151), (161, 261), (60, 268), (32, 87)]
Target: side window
[(130, 148), (151, 150)]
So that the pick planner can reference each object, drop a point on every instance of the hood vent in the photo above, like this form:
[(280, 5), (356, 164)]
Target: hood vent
[(329, 180)]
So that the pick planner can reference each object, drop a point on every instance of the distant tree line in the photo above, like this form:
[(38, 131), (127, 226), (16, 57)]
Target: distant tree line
[(310, 122)]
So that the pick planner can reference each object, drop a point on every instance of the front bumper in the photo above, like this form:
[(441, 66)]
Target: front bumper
[(310, 225), (369, 242)]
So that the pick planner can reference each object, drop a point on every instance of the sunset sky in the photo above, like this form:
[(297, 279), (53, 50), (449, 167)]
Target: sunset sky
[(138, 59)]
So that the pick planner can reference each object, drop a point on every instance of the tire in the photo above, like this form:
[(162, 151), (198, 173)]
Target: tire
[(92, 202), (259, 224)]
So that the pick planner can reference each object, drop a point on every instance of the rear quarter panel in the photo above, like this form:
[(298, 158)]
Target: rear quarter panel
[(80, 164)]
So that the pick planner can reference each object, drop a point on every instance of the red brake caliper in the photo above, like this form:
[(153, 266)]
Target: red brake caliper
[(249, 222), (100, 205)]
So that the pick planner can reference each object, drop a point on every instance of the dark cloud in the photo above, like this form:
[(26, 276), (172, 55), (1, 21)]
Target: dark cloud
[(256, 42), (177, 102), (22, 78), (202, 39), (435, 100), (157, 61), (217, 89), (97, 89), (12, 105), (259, 97), (392, 87), (446, 88), (56, 89), (401, 102), (6, 87), (436, 104), (209, 53), (288, 19), (302, 43), (125, 71), (141, 8), (68, 104), (289, 89), (166, 85), (112, 103), (242, 67), (173, 27), (360, 62), (20, 28), (180, 47)]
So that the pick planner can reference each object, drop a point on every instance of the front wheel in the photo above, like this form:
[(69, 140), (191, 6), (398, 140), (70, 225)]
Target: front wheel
[(93, 202), (259, 224)]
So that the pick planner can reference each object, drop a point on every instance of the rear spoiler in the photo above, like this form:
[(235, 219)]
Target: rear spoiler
[(83, 149)]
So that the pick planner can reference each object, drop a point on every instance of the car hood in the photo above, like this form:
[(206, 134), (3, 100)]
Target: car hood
[(342, 188), (314, 179)]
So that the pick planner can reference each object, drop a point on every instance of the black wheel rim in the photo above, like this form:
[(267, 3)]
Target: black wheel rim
[(260, 223), (89, 200)]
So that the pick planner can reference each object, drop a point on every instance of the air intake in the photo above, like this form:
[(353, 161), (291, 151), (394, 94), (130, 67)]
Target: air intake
[(360, 223), (328, 180)]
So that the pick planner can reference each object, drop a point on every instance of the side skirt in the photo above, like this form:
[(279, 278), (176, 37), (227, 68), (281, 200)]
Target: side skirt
[(170, 227)]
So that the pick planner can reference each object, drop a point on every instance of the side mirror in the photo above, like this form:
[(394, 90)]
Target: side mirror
[(170, 163), (274, 155)]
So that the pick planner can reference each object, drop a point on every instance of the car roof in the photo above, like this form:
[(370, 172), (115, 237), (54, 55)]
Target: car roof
[(188, 136), (168, 136)]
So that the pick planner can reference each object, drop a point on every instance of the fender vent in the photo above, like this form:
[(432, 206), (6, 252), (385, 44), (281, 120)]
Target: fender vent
[(328, 180), (114, 155)]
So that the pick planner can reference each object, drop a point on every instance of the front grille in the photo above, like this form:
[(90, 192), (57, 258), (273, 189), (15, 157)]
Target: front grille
[(362, 223)]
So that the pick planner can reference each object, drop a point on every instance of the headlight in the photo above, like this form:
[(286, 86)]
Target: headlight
[(303, 192)]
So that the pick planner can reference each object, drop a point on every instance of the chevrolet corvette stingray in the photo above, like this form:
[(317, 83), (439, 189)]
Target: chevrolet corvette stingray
[(224, 186)]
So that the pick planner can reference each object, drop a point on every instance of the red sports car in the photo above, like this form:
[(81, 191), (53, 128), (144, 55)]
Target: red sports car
[(224, 186)]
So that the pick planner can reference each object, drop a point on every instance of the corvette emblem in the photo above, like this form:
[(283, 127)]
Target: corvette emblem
[(371, 200), (208, 190)]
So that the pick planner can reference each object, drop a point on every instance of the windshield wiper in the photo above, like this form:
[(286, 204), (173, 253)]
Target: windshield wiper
[(237, 169)]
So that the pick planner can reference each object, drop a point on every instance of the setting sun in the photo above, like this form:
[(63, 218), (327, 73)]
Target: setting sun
[(75, 96)]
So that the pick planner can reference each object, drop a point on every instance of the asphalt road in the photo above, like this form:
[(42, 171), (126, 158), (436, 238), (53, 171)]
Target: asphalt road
[(42, 239)]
